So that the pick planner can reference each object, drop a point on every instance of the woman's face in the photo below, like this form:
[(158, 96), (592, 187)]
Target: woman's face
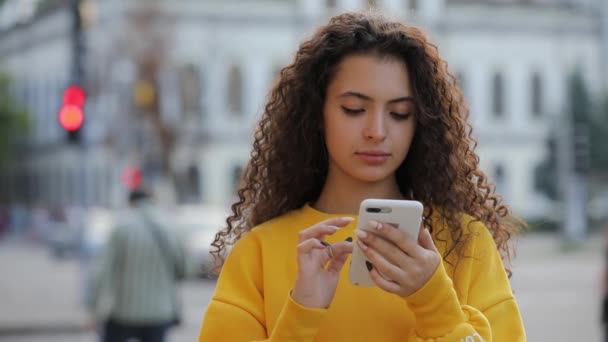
[(369, 117)]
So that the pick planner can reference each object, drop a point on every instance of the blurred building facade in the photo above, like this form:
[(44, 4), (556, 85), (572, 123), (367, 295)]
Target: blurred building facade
[(513, 58)]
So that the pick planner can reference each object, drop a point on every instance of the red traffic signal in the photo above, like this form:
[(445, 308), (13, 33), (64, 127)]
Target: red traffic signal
[(74, 95), (71, 113), (71, 117)]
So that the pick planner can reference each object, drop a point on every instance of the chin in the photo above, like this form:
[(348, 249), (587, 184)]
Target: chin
[(372, 176)]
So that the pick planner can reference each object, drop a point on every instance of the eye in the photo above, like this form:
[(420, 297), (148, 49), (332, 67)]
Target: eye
[(401, 116), (352, 111)]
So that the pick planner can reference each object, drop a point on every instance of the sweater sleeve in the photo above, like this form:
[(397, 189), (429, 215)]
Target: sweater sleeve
[(236, 310), (491, 313)]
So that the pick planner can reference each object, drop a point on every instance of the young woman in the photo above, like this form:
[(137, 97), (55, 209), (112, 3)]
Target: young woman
[(368, 109)]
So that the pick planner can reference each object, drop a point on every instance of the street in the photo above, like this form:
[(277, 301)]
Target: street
[(557, 290)]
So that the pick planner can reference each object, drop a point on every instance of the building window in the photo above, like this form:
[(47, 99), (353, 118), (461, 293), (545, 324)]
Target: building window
[(237, 174), (190, 89), (498, 95), (537, 95), (235, 90), (412, 5), (188, 185), (500, 178)]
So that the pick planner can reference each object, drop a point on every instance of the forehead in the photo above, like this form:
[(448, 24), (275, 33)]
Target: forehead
[(381, 78)]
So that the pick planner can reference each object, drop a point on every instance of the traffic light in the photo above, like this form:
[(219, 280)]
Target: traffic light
[(71, 114)]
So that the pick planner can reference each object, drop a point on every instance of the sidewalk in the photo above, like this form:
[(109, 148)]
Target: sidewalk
[(40, 298), (557, 291), (38, 292)]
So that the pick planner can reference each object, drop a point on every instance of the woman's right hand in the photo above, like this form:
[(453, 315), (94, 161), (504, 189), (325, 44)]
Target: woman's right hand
[(318, 271)]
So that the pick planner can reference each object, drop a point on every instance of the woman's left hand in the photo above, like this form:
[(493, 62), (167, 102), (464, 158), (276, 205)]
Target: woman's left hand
[(400, 263)]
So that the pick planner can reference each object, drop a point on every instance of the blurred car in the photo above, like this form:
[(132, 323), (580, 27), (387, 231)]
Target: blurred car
[(98, 225), (197, 225)]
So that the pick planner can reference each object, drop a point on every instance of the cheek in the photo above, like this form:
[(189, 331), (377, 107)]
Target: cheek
[(404, 139), (338, 135)]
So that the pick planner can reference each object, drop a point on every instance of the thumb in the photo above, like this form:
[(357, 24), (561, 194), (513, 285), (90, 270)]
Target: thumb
[(426, 240)]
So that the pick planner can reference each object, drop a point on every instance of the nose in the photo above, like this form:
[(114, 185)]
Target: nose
[(375, 126)]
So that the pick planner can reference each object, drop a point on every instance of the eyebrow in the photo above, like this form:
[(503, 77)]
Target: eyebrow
[(367, 98)]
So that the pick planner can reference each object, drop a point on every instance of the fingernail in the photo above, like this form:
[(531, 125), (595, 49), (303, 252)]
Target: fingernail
[(361, 234), (369, 265), (333, 227), (362, 245), (375, 225), (349, 239), (349, 219)]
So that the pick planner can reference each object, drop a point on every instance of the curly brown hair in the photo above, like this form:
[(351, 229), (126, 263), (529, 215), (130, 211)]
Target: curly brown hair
[(289, 160)]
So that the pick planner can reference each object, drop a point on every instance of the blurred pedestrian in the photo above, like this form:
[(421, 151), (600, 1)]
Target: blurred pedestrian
[(135, 290), (368, 109)]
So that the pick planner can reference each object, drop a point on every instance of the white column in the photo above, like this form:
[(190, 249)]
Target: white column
[(518, 174), (479, 95), (554, 87), (216, 94), (518, 96), (214, 173), (258, 73)]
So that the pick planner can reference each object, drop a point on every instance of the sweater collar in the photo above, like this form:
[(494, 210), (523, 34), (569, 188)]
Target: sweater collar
[(309, 211)]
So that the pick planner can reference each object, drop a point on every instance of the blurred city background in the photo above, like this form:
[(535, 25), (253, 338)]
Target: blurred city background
[(96, 95)]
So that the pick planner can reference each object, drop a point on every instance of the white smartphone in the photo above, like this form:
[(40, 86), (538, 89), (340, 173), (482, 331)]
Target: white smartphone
[(404, 214)]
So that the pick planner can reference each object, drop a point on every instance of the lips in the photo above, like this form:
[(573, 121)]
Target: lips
[(373, 153), (373, 157)]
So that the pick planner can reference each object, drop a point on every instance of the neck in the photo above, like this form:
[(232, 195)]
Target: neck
[(343, 195)]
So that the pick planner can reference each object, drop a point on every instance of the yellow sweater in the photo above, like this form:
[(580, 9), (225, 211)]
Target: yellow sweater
[(252, 301)]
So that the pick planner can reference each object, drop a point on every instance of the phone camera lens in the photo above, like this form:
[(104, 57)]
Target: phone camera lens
[(373, 210)]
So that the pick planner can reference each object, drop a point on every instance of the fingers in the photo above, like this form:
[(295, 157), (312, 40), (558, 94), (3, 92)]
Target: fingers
[(382, 283), (387, 248), (340, 251), (378, 230), (426, 240), (389, 271), (309, 245), (343, 248), (336, 264), (327, 227)]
